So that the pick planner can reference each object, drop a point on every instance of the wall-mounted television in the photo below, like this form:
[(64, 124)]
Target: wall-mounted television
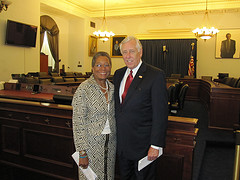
[(20, 34)]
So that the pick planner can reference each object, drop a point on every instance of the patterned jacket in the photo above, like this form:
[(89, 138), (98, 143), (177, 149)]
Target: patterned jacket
[(90, 112)]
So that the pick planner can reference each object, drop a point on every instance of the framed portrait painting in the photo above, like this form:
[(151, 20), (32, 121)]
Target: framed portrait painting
[(115, 42), (228, 44), (92, 45)]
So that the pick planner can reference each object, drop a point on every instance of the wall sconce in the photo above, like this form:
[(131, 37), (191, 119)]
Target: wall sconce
[(165, 49), (4, 5)]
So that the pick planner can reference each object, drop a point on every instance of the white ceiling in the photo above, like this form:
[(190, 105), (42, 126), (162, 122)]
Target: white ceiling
[(94, 8)]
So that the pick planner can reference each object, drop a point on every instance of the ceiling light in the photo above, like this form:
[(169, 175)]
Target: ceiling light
[(103, 33), (205, 32)]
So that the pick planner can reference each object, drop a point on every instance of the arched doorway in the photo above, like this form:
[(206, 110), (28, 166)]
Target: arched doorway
[(48, 25)]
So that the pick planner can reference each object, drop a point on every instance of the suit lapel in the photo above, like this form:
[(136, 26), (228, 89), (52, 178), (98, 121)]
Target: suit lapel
[(117, 83)]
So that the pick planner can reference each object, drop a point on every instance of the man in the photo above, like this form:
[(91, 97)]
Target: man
[(228, 47), (116, 48), (142, 115)]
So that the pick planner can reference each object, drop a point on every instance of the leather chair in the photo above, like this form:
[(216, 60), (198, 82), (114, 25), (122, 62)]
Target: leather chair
[(43, 75), (54, 74), (238, 84), (171, 93), (228, 80), (57, 79), (45, 81), (224, 80), (233, 82), (79, 79), (69, 79), (69, 74), (32, 80), (178, 86), (78, 74), (88, 74), (179, 105), (19, 77)]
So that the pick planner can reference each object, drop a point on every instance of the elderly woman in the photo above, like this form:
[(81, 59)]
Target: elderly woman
[(94, 128)]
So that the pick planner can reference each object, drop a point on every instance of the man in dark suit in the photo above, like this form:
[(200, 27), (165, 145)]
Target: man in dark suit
[(228, 47), (143, 114)]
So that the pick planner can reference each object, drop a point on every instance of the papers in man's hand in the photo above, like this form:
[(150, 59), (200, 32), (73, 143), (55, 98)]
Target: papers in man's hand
[(90, 175), (142, 163)]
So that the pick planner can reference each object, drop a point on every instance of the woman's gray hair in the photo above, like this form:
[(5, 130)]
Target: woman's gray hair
[(129, 38), (100, 53)]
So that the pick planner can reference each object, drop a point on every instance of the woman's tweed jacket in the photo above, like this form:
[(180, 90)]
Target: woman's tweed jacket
[(90, 112)]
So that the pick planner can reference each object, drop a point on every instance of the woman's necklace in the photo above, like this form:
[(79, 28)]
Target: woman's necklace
[(104, 88)]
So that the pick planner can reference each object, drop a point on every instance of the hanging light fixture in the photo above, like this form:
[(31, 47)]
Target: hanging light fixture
[(103, 34), (205, 33), (4, 5)]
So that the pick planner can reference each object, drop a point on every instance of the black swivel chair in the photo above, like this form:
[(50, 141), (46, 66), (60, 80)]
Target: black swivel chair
[(178, 86), (54, 74), (179, 104), (234, 82), (78, 74), (238, 84), (224, 80), (171, 96), (229, 81), (57, 79)]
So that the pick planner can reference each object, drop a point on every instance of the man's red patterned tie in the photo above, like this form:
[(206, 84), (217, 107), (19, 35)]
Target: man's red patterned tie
[(127, 84)]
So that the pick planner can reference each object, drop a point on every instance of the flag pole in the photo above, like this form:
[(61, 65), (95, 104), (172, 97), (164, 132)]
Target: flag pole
[(191, 69)]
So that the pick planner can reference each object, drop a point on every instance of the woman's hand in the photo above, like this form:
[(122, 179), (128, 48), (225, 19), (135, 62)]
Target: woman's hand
[(83, 159), (83, 162)]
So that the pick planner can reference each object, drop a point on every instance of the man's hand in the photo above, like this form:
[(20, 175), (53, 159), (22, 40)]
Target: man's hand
[(152, 154)]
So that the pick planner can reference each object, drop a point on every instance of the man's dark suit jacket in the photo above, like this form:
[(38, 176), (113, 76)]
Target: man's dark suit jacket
[(232, 49), (142, 118)]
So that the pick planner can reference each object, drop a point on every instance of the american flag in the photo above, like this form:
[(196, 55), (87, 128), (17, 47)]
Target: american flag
[(191, 67)]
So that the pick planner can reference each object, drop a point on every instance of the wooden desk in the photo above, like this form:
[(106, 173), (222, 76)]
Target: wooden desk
[(38, 137), (69, 83), (26, 95), (222, 101), (176, 162), (42, 88)]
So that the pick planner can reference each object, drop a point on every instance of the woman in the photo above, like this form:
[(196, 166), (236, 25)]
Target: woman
[(93, 120)]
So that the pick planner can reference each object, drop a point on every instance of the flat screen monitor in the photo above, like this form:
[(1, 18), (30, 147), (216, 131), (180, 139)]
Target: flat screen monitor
[(20, 34)]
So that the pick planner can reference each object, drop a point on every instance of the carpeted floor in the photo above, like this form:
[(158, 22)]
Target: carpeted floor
[(218, 161), (215, 149)]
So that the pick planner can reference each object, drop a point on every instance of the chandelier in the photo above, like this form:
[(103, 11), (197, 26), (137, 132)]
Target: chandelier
[(205, 33), (4, 5), (103, 34)]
